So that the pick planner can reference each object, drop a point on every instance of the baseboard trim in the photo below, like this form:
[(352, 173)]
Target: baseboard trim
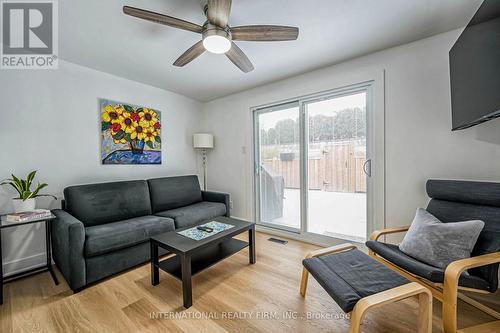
[(309, 238), (293, 236), (22, 264)]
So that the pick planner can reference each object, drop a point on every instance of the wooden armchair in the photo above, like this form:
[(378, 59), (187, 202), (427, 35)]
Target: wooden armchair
[(454, 201)]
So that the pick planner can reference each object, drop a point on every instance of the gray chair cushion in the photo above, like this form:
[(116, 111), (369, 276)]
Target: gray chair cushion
[(454, 200), (192, 214), (352, 275), (96, 204), (393, 254), (110, 237), (174, 192), (475, 193), (439, 244)]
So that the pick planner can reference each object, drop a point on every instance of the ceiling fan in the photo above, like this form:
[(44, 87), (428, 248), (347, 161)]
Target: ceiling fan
[(217, 36)]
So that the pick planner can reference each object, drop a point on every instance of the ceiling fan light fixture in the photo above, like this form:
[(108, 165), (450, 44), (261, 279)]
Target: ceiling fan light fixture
[(216, 44), (215, 39), (217, 36)]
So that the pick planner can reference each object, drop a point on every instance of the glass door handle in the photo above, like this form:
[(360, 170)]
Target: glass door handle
[(367, 167), (258, 169)]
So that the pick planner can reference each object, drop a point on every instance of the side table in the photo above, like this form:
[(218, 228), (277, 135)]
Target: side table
[(47, 267)]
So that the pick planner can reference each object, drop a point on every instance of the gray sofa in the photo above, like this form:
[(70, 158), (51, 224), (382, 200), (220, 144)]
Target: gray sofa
[(103, 229)]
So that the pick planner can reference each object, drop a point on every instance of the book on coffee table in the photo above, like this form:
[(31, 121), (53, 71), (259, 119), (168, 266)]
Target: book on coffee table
[(28, 216), (196, 234)]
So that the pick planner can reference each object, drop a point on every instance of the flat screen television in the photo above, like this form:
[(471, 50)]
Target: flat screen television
[(475, 69)]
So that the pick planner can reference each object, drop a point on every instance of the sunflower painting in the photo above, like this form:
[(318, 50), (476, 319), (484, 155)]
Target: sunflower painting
[(130, 134)]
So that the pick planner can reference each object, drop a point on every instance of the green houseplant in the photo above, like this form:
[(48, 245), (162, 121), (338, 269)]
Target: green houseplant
[(26, 199)]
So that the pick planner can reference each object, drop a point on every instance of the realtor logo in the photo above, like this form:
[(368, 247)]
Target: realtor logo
[(29, 34)]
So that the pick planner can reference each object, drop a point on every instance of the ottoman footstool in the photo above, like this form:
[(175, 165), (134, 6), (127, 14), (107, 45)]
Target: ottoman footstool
[(359, 283)]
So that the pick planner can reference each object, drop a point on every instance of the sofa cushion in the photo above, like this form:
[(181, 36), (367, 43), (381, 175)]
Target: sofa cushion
[(174, 192), (96, 204), (393, 254), (351, 275), (192, 214), (110, 237), (99, 267)]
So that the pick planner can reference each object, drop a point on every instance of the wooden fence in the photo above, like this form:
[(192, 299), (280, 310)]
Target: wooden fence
[(338, 169)]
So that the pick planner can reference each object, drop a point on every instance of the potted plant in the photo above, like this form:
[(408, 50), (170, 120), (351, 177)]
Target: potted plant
[(26, 200)]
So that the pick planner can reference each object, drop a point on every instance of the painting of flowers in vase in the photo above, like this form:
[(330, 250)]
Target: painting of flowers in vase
[(130, 134)]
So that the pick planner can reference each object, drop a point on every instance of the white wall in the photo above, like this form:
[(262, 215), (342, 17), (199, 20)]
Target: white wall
[(419, 142), (49, 121)]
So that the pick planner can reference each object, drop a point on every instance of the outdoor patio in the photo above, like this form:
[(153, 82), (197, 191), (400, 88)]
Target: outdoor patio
[(336, 214)]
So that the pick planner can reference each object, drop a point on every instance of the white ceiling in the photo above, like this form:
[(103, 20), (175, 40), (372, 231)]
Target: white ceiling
[(95, 33)]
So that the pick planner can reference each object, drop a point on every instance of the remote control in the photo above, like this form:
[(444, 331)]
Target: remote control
[(206, 229)]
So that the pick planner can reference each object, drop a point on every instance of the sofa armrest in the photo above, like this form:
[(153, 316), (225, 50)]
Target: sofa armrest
[(218, 197), (68, 239)]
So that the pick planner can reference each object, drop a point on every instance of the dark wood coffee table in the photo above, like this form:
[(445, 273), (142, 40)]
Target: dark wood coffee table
[(194, 256)]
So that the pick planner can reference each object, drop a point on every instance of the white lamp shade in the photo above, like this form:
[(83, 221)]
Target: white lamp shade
[(203, 141)]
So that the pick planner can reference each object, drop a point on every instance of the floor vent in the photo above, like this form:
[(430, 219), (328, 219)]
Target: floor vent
[(279, 241)]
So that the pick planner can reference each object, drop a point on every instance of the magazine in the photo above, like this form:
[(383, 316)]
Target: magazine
[(28, 216), (196, 234)]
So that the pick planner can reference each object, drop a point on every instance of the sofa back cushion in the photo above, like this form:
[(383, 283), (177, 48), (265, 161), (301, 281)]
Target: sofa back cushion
[(453, 201), (174, 192), (96, 204)]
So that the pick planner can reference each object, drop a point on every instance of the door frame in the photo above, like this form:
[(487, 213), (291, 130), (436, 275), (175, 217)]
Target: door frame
[(376, 205)]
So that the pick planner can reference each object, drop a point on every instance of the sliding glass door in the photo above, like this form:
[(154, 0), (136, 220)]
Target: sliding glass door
[(278, 166), (312, 165), (336, 197)]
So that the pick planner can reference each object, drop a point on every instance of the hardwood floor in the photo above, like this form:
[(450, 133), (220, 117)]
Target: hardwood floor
[(235, 296)]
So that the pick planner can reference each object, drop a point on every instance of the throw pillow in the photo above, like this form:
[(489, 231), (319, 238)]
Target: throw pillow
[(438, 244)]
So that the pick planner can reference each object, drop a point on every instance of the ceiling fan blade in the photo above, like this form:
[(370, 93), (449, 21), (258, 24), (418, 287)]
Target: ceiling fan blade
[(162, 19), (192, 53), (264, 33), (218, 12), (237, 57)]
